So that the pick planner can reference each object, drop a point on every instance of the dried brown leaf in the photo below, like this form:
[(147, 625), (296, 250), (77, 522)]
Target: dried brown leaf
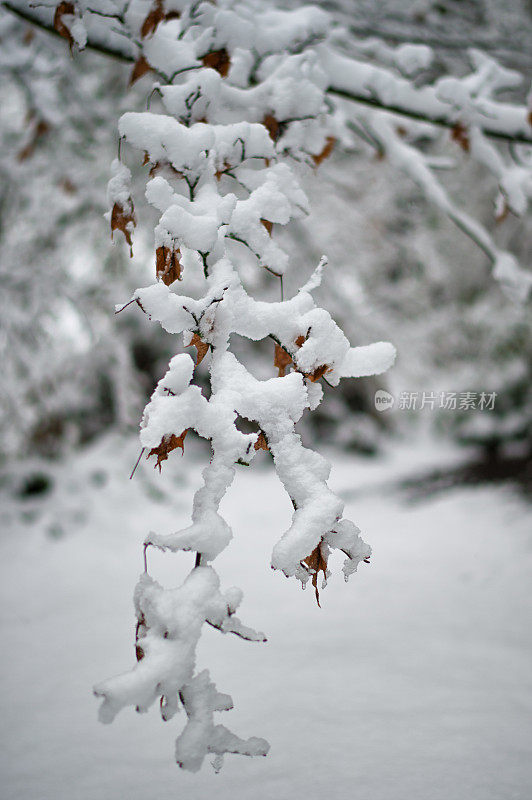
[(122, 219), (281, 360), (168, 443), (141, 68), (316, 563), (167, 264), (153, 19), (460, 135), (40, 129), (272, 126), (261, 443), (268, 225), (318, 373), (64, 9), (201, 347), (218, 60), (326, 152)]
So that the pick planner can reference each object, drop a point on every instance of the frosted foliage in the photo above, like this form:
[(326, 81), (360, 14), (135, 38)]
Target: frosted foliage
[(237, 110), (221, 178)]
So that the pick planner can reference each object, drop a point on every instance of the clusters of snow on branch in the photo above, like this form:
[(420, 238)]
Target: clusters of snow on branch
[(470, 105), (244, 100), (143, 31)]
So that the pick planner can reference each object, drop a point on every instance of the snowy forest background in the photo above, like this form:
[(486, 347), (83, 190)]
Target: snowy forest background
[(412, 680)]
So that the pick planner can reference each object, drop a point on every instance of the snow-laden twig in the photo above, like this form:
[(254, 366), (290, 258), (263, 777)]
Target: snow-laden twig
[(255, 100)]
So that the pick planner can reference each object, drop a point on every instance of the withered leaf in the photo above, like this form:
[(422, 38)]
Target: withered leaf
[(167, 264), (300, 341), (316, 563), (460, 135), (318, 373), (153, 19), (39, 130), (261, 443), (218, 60), (281, 360), (326, 152), (201, 347), (168, 443), (268, 225), (140, 631), (122, 219), (141, 68), (272, 126), (64, 9)]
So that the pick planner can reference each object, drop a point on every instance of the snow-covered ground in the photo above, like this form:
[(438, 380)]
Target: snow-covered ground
[(413, 681)]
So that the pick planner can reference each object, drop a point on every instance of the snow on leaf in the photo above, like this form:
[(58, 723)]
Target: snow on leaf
[(218, 60), (64, 9), (167, 264), (326, 152), (202, 347), (123, 219)]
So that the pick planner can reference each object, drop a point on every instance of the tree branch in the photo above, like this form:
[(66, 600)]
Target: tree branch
[(40, 21), (360, 83)]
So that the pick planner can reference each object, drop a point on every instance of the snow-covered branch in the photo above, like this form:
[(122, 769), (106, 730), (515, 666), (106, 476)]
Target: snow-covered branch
[(349, 78), (248, 103), (240, 106)]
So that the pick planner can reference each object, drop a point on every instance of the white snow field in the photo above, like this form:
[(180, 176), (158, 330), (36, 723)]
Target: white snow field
[(412, 682)]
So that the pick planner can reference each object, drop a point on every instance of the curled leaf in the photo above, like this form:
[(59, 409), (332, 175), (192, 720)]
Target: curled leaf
[(218, 60), (123, 219), (318, 373), (316, 563), (168, 443), (167, 264), (326, 152), (201, 347), (64, 9), (268, 225), (153, 19)]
